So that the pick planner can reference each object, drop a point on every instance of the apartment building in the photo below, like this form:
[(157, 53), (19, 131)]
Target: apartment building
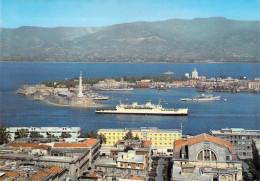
[(161, 139), (240, 139)]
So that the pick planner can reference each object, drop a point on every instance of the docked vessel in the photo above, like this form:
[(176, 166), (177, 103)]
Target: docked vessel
[(202, 97), (147, 108), (96, 96), (117, 89), (168, 73)]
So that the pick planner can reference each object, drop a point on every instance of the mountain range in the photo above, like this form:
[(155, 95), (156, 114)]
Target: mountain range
[(173, 41)]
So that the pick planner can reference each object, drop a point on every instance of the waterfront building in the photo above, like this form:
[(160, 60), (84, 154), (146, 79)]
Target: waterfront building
[(195, 74), (240, 139), (74, 157), (161, 139), (46, 131), (255, 84), (204, 158)]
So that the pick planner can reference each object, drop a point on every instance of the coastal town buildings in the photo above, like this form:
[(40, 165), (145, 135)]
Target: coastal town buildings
[(46, 131), (254, 84), (204, 158), (125, 164), (240, 139), (161, 139), (72, 158)]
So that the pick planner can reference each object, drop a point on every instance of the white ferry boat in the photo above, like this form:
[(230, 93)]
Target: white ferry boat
[(148, 108), (202, 97)]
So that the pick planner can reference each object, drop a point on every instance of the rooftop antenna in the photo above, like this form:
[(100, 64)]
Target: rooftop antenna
[(181, 127)]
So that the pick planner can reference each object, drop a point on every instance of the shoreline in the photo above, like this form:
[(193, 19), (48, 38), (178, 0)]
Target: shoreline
[(63, 105)]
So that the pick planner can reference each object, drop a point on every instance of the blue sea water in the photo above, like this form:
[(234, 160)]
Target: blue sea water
[(240, 110)]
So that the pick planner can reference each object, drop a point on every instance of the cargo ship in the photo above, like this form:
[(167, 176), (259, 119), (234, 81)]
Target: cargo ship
[(146, 109), (202, 97)]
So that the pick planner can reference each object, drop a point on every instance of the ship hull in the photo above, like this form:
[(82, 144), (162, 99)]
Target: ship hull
[(114, 111), (202, 99)]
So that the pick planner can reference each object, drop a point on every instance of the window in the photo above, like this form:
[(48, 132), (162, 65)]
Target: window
[(129, 164), (137, 165), (207, 155)]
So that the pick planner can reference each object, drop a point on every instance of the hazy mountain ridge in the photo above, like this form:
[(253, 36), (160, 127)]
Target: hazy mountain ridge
[(175, 40)]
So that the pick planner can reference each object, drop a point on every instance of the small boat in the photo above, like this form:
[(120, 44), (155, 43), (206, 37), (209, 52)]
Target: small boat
[(168, 73), (96, 96), (202, 97)]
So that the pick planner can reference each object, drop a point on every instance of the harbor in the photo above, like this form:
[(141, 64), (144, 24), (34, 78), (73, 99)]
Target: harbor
[(202, 115)]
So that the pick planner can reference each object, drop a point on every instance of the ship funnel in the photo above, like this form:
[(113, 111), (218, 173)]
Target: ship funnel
[(148, 103), (134, 104)]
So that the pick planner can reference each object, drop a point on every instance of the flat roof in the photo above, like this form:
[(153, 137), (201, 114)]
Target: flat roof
[(235, 131), (142, 129), (45, 129)]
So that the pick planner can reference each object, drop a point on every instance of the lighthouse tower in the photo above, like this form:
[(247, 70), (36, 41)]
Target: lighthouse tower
[(80, 94)]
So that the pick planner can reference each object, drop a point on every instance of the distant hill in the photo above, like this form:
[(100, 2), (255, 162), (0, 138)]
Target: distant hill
[(175, 40)]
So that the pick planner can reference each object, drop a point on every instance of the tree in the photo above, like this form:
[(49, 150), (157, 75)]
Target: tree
[(23, 133), (4, 135), (102, 138), (51, 136), (127, 148), (129, 135), (35, 134), (65, 135), (136, 138), (92, 134)]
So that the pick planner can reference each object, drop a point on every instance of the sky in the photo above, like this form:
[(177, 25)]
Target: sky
[(97, 13)]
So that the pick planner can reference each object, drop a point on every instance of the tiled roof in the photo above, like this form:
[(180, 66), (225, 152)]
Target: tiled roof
[(32, 145), (202, 137), (94, 175), (179, 143), (45, 147), (56, 168), (146, 143), (53, 169), (38, 176), (90, 142), (136, 178), (228, 145), (12, 174), (49, 171)]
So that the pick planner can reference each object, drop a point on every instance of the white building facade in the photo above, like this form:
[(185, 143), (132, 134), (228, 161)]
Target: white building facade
[(46, 131)]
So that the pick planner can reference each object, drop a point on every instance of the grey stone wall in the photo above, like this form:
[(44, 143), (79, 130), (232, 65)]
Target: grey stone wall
[(217, 149)]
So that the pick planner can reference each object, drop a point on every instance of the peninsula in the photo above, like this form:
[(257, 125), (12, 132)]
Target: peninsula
[(58, 96)]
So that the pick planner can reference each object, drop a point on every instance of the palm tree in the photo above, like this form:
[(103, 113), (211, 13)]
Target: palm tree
[(23, 133)]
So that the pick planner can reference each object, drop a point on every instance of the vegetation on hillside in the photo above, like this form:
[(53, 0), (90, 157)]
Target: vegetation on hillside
[(75, 81)]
